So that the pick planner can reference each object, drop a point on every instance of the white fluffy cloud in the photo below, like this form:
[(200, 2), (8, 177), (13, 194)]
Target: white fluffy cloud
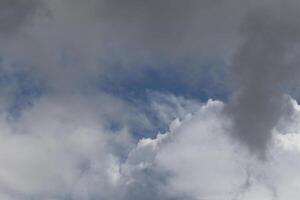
[(207, 164), (59, 150), (62, 151)]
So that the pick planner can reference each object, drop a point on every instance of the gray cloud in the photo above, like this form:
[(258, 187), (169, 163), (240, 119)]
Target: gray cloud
[(14, 13), (81, 40), (262, 69)]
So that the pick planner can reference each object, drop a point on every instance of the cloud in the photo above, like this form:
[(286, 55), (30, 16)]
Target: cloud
[(78, 40), (263, 68), (15, 13), (78, 141), (206, 163), (76, 44), (59, 151)]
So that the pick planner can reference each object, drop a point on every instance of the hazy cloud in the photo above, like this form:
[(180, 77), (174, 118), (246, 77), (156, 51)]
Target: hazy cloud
[(14, 13)]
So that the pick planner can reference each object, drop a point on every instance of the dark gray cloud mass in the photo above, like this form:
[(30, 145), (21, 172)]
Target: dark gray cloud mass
[(167, 28), (13, 13), (158, 21), (263, 67), (81, 40)]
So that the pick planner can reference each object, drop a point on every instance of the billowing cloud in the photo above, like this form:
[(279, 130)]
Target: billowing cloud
[(206, 164), (61, 151), (262, 69)]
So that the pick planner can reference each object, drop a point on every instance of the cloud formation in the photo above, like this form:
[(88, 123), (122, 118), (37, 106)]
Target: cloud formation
[(80, 75), (62, 151), (14, 13), (263, 67), (207, 164), (72, 41)]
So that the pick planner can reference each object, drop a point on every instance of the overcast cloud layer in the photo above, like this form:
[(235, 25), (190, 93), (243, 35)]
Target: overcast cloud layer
[(149, 99)]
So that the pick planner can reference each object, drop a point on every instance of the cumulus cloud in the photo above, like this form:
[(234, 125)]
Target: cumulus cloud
[(207, 164), (61, 151), (57, 151)]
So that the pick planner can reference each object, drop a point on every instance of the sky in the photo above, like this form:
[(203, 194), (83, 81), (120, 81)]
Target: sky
[(149, 99)]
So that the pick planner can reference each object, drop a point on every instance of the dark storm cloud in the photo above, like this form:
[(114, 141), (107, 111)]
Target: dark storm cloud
[(262, 68), (13, 13)]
